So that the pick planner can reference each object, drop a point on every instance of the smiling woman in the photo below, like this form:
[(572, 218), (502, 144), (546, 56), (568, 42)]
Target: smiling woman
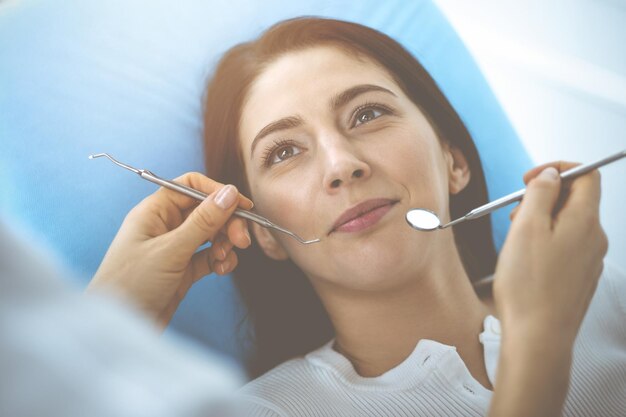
[(383, 118), (375, 319)]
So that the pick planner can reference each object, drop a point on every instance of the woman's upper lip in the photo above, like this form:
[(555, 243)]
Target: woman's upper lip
[(360, 209)]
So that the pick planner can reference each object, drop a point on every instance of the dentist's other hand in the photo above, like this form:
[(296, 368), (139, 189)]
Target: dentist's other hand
[(153, 260), (552, 258), (546, 276)]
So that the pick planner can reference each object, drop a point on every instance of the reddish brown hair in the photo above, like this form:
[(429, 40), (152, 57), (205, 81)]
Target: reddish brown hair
[(286, 315)]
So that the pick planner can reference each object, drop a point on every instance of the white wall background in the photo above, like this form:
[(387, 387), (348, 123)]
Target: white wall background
[(559, 69)]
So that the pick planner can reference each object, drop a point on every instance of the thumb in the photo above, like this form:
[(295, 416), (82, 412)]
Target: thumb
[(206, 220), (541, 196)]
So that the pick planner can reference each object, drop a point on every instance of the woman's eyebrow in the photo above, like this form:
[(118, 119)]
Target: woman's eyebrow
[(345, 97), (281, 124)]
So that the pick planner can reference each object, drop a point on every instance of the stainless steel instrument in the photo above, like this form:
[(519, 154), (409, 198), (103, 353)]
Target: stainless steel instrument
[(199, 195)]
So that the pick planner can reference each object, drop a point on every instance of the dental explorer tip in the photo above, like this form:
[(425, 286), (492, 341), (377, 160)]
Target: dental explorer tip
[(115, 161)]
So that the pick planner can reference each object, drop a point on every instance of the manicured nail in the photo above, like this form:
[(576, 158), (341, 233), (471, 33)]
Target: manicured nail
[(248, 236), (549, 173), (224, 266), (226, 197), (223, 253)]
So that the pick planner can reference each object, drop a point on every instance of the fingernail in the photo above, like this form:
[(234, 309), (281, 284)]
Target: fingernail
[(549, 173), (248, 236), (224, 267), (226, 197), (223, 252)]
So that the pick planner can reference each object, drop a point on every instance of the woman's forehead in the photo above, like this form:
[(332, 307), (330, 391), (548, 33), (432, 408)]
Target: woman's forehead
[(320, 66), (308, 77)]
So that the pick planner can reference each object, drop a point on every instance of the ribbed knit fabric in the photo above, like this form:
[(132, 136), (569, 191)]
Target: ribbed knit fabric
[(434, 381)]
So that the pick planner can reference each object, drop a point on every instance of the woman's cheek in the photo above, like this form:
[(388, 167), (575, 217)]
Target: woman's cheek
[(278, 200)]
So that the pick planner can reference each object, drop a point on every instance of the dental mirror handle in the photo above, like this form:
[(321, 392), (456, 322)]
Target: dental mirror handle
[(518, 195)]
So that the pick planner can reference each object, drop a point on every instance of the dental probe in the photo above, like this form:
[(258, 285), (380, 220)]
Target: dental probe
[(198, 195), (426, 220)]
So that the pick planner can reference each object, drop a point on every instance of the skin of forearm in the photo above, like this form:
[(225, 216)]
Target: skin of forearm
[(532, 378)]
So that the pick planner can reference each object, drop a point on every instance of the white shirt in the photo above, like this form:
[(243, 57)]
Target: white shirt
[(434, 381)]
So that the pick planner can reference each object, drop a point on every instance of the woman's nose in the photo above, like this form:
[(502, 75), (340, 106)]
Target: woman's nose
[(343, 167)]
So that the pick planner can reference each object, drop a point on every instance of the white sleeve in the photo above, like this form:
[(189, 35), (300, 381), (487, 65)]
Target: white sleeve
[(66, 354)]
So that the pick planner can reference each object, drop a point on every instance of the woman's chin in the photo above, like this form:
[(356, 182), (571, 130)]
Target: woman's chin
[(378, 268)]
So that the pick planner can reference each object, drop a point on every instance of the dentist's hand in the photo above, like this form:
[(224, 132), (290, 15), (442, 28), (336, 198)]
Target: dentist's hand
[(552, 258), (546, 276), (153, 260)]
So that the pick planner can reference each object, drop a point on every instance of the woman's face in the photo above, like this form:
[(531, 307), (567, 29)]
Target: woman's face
[(333, 149)]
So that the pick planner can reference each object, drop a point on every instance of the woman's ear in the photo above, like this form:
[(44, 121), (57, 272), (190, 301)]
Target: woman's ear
[(271, 247), (458, 169)]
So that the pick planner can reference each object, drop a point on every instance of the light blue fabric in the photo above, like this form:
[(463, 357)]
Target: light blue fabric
[(127, 77)]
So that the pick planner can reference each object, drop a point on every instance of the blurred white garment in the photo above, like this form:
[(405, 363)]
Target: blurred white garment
[(66, 354)]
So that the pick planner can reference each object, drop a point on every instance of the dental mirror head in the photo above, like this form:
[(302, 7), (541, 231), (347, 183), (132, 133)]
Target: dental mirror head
[(422, 219)]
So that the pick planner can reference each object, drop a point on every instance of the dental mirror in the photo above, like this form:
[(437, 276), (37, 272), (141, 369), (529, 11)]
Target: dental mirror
[(426, 220), (422, 219)]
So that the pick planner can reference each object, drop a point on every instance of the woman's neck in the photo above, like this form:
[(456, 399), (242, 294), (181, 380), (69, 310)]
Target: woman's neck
[(376, 332)]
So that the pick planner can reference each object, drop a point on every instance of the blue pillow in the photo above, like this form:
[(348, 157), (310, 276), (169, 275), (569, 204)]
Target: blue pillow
[(127, 78)]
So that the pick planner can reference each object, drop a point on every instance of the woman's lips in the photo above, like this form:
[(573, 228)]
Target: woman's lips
[(363, 216)]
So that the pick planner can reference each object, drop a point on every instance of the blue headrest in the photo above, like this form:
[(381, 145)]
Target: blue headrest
[(127, 78)]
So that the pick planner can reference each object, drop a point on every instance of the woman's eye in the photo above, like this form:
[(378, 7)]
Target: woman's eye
[(367, 115), (282, 153)]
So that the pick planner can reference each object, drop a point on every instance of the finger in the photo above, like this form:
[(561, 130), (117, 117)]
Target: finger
[(194, 180), (243, 203), (206, 220), (206, 185), (540, 198), (201, 264), (227, 265), (203, 261), (560, 166), (584, 193), (238, 233), (199, 182), (220, 248)]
